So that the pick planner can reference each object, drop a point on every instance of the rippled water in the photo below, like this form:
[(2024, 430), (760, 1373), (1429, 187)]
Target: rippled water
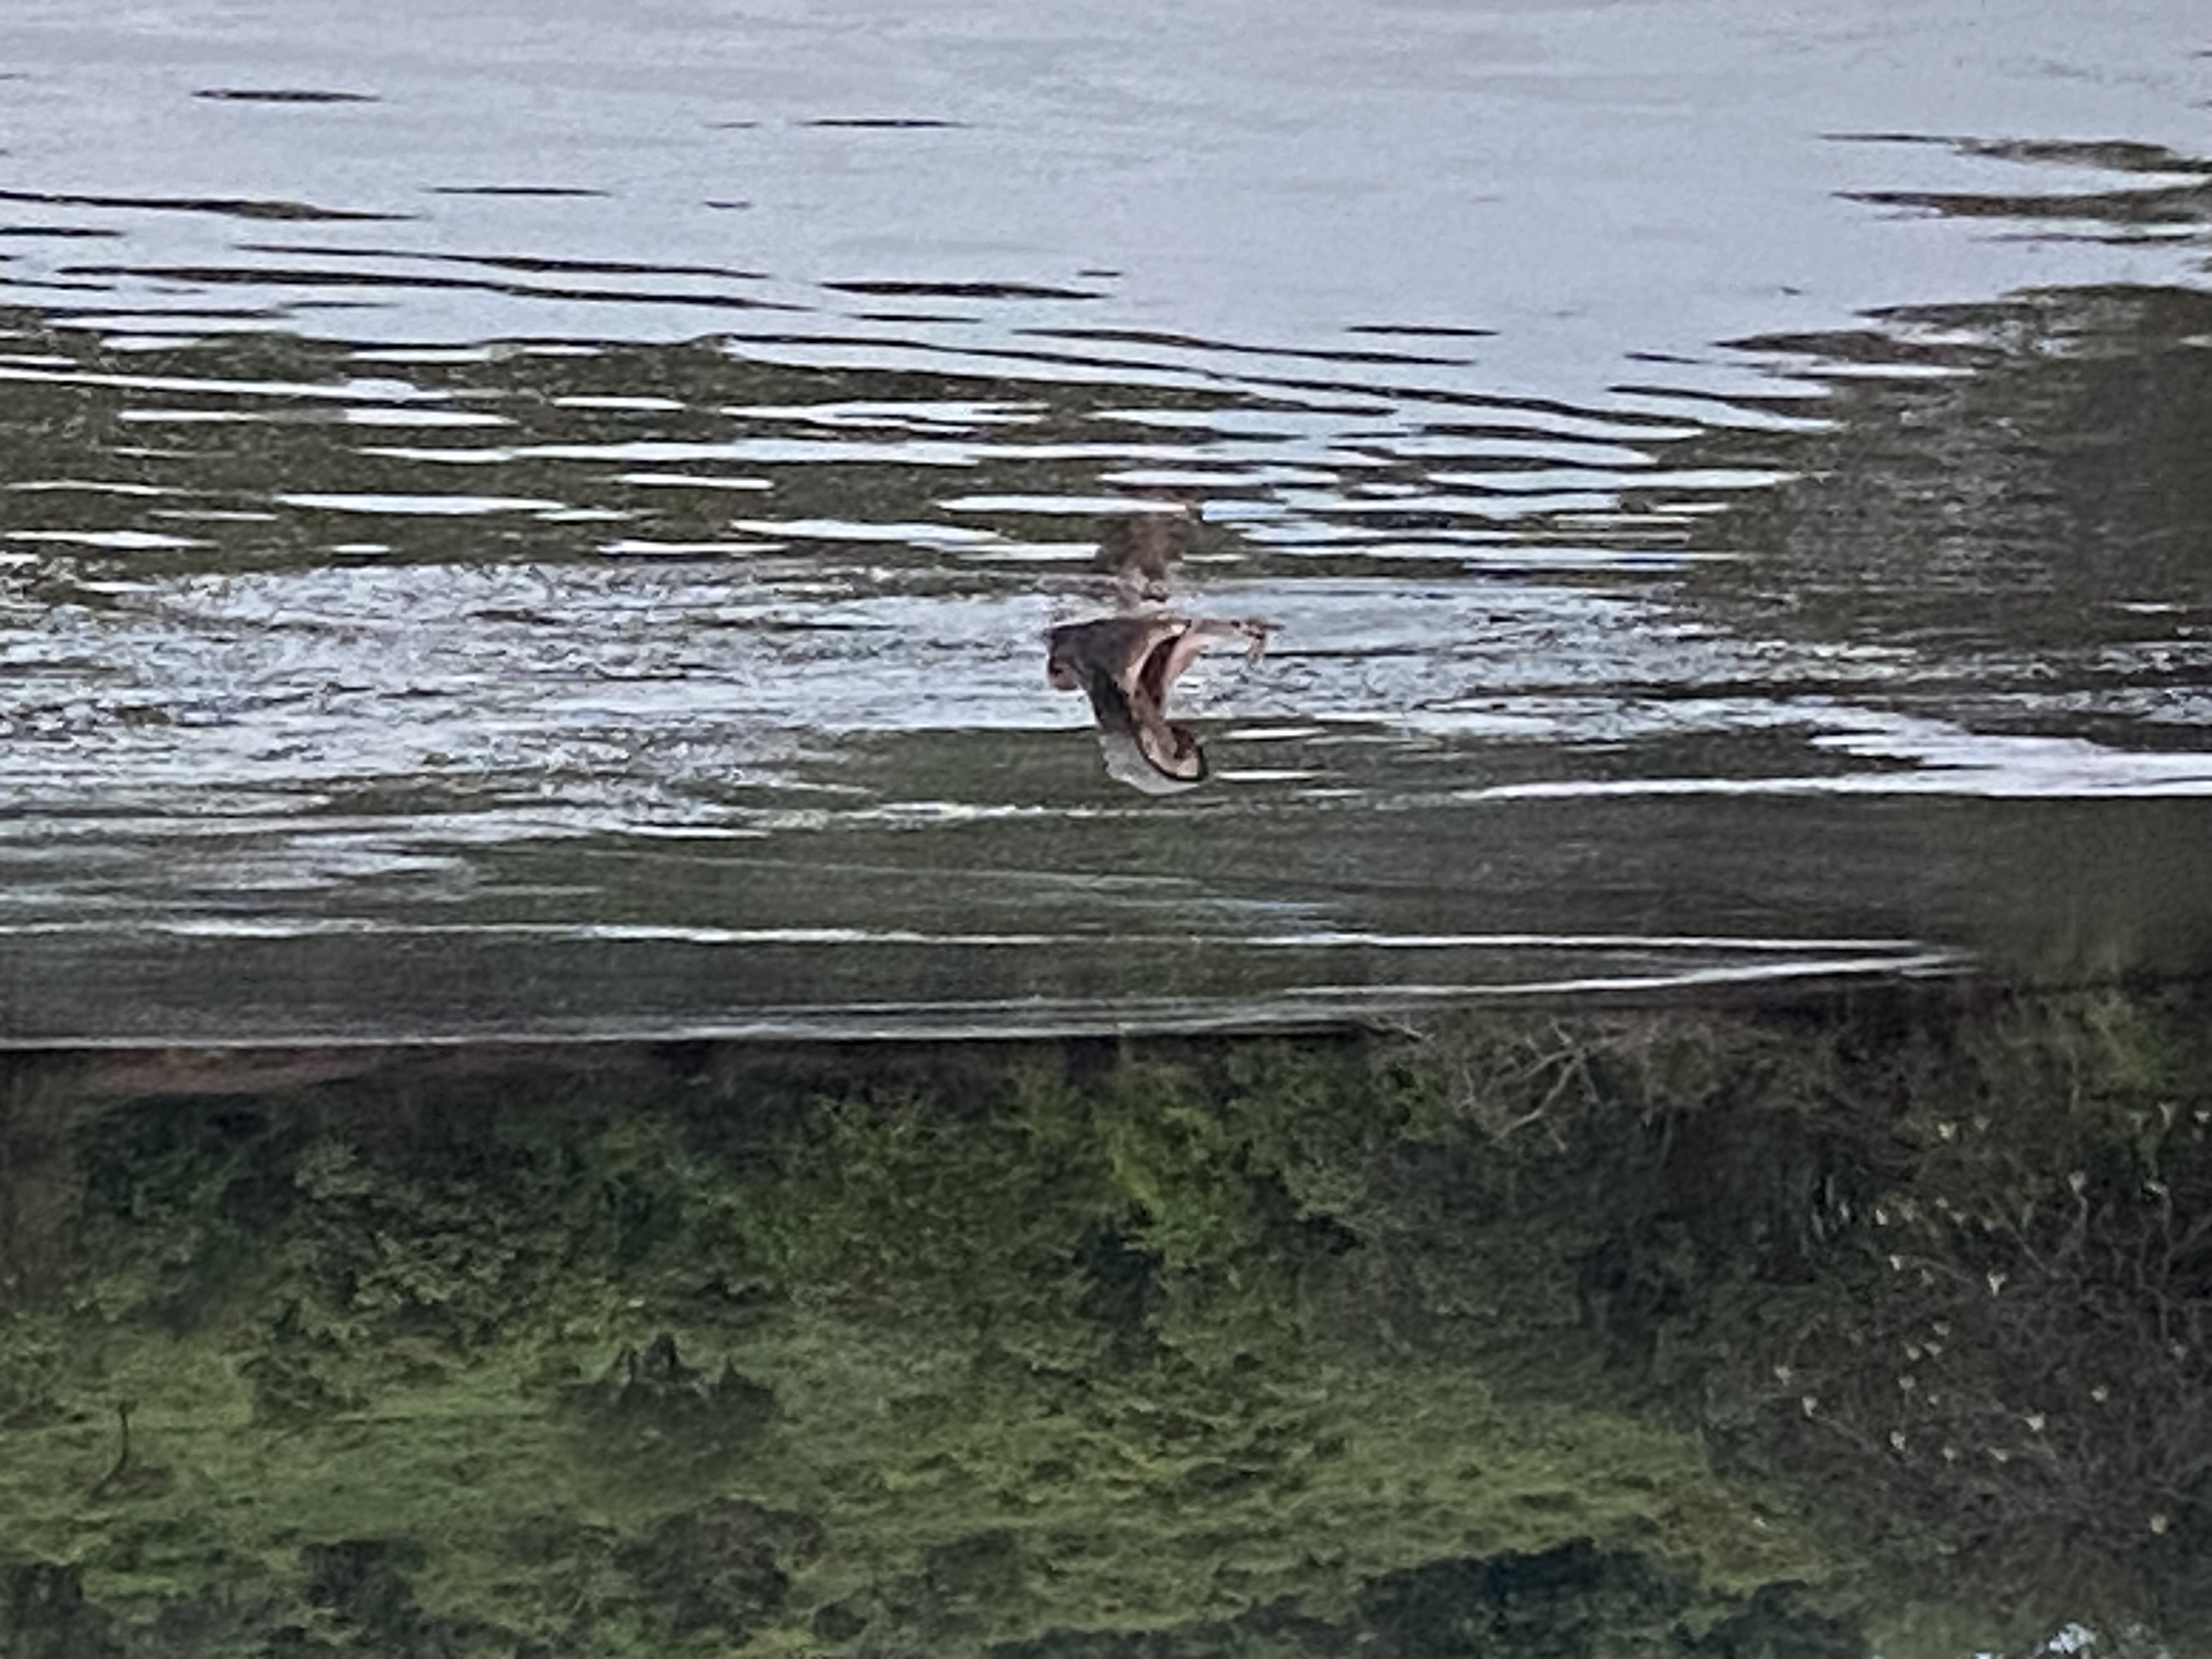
[(548, 521)]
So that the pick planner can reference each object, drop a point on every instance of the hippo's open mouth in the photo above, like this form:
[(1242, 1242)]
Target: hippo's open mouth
[(1164, 659), (1128, 665)]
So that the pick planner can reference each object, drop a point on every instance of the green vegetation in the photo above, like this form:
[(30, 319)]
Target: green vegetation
[(1714, 1335)]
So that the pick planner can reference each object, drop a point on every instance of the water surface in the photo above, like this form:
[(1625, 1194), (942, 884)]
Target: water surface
[(545, 523)]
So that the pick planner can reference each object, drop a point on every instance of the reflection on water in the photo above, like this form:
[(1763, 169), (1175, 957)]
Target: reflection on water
[(1853, 1327), (1127, 664)]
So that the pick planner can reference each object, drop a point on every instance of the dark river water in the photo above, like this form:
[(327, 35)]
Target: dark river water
[(545, 518)]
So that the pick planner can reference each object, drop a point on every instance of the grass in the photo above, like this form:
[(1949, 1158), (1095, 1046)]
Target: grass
[(1234, 1348)]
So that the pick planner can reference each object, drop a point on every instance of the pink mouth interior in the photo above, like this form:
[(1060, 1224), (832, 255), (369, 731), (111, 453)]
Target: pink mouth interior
[(1166, 660)]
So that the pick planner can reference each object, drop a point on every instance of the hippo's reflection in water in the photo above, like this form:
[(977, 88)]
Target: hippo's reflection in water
[(1127, 664)]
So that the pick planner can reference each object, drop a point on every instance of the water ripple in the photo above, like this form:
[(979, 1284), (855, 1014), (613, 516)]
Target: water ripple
[(594, 572)]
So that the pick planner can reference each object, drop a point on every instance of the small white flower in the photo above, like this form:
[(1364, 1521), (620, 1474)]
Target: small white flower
[(1997, 1282), (2034, 1421), (1948, 1131), (1950, 1454), (1811, 1402), (1896, 1439), (2077, 1181), (2101, 1394), (2158, 1524), (1781, 1374)]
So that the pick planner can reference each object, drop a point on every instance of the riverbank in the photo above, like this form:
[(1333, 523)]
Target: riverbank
[(1871, 1319)]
